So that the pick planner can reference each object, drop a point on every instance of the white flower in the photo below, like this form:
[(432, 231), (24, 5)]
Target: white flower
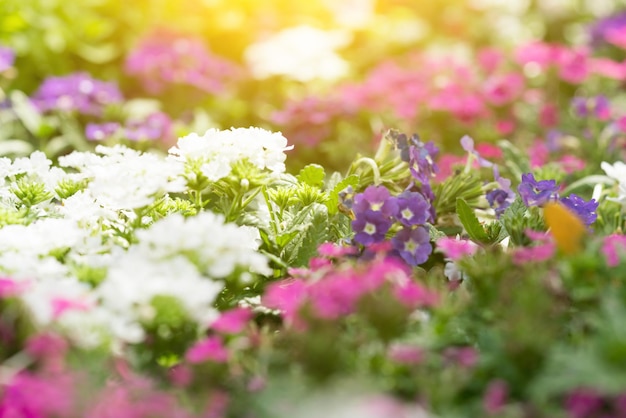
[(302, 53), (134, 280), (219, 150), (617, 171), (217, 248), (40, 237), (126, 179)]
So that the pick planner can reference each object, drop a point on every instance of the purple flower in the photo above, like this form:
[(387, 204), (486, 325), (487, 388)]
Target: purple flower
[(468, 145), (156, 126), (585, 210), (370, 227), (101, 131), (413, 245), (412, 209), (422, 161), (375, 199), (404, 144), (7, 58), (601, 27), (76, 92), (598, 107), (536, 193)]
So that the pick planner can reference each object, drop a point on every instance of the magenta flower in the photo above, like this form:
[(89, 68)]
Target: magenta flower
[(286, 296), (10, 287), (614, 248), (209, 349), (495, 397), (502, 89), (233, 321), (537, 254), (412, 295), (583, 403), (329, 249), (455, 249)]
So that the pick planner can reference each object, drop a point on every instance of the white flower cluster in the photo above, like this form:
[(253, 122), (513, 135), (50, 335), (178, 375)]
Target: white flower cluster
[(218, 150), (80, 279), (303, 53)]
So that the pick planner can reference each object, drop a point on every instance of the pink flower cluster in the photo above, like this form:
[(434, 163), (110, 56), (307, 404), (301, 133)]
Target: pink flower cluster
[(333, 291), (164, 58)]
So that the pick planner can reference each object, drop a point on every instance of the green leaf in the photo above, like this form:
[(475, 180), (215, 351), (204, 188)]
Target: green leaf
[(25, 110), (470, 222), (312, 233), (16, 147), (333, 198), (313, 175)]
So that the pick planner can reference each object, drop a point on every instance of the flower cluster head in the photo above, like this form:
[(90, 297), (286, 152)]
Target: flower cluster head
[(537, 193), (376, 211), (76, 92), (165, 58), (218, 150), (606, 29)]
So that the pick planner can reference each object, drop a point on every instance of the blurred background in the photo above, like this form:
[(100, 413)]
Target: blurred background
[(332, 75)]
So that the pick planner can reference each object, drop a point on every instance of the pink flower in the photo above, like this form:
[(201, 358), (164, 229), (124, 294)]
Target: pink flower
[(232, 321), (503, 88), (505, 126), (489, 151), (495, 397), (286, 295), (181, 375), (446, 164), (10, 287), (616, 36), (329, 249), (621, 125), (463, 356), (455, 249), (60, 305), (413, 295), (490, 59), (613, 248), (535, 254), (571, 163), (539, 154), (536, 52), (573, 65), (405, 354), (548, 115), (608, 68), (211, 348)]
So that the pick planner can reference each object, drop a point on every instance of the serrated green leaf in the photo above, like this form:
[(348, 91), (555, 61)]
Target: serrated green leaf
[(333, 197), (313, 175), (313, 232), (470, 222)]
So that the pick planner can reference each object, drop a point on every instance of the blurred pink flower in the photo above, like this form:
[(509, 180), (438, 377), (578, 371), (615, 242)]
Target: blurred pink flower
[(490, 59), (608, 68), (495, 397), (210, 348), (232, 321), (455, 249), (616, 36), (405, 354), (573, 64), (10, 287), (614, 248), (501, 89), (537, 254)]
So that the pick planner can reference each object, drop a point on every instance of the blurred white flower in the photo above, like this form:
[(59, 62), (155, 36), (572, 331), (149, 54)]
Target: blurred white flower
[(351, 13), (617, 171), (302, 53)]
